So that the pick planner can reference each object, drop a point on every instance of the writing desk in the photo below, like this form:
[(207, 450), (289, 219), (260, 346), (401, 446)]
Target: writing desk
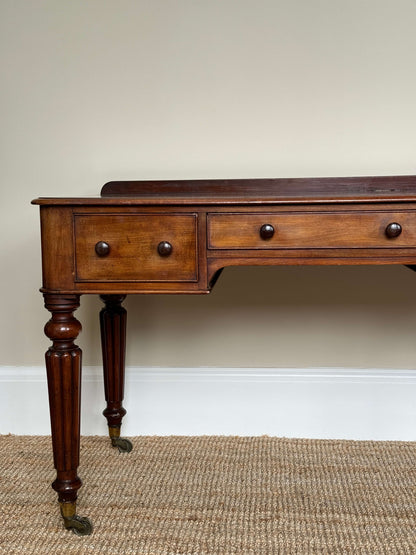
[(147, 237)]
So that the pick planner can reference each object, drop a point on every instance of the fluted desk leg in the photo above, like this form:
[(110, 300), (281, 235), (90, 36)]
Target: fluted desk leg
[(113, 319), (63, 365)]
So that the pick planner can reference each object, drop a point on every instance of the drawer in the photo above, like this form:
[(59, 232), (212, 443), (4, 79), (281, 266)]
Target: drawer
[(340, 229), (136, 247)]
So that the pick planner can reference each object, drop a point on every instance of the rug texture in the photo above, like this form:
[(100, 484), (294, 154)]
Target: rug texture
[(215, 496)]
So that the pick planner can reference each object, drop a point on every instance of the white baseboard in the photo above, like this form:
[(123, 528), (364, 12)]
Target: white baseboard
[(345, 403)]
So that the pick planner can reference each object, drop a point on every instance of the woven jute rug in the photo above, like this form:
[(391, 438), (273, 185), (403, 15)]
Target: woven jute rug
[(215, 496)]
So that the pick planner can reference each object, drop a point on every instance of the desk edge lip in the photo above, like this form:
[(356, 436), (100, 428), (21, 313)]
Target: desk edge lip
[(209, 202)]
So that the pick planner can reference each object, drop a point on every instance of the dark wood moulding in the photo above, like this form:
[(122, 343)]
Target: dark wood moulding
[(401, 188)]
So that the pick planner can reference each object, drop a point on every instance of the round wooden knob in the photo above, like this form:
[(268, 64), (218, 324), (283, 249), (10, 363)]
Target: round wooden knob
[(102, 248), (164, 248), (266, 231), (393, 230)]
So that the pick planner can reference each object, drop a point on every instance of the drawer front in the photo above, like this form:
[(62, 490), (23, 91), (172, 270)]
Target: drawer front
[(147, 247), (293, 230)]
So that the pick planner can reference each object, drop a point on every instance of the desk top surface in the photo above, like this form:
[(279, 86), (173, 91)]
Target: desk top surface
[(327, 190)]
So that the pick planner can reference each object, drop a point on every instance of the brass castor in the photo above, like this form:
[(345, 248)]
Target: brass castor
[(124, 445), (80, 525)]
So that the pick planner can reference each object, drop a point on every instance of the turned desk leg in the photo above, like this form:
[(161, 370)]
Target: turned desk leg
[(113, 319), (63, 366)]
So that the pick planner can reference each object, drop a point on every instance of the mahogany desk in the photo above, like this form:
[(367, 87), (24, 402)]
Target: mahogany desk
[(175, 237)]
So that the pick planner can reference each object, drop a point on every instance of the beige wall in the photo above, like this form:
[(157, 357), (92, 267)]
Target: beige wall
[(98, 90)]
